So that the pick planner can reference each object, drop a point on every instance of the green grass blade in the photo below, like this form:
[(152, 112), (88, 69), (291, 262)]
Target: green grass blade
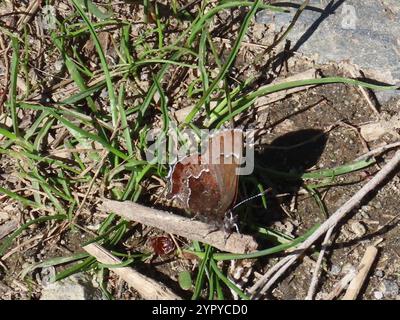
[(15, 196), (266, 252), (227, 282), (228, 63), (79, 267), (104, 65), (13, 85), (198, 286), (7, 242), (53, 262), (92, 137)]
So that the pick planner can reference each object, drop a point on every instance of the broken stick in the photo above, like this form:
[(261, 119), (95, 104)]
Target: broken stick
[(341, 285), (182, 226), (356, 284), (148, 288)]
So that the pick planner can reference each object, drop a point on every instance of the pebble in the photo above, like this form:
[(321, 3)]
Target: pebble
[(335, 269), (367, 208), (378, 205), (58, 65), (289, 227), (389, 288), (47, 275), (75, 287), (104, 93), (378, 295), (379, 273), (348, 267), (358, 228), (4, 216)]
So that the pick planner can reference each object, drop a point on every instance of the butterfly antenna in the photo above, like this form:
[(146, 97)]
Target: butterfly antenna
[(251, 198)]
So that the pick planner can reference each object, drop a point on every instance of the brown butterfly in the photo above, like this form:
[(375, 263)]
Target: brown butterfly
[(206, 185)]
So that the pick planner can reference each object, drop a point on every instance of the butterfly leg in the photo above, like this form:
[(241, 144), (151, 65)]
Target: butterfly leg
[(230, 222), (215, 229)]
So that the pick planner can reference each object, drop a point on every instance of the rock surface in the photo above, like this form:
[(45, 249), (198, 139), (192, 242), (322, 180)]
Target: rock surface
[(75, 287), (389, 288), (363, 33)]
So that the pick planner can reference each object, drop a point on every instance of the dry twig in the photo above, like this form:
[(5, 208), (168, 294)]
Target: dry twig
[(341, 285), (365, 265), (377, 151), (185, 227), (314, 280), (148, 288)]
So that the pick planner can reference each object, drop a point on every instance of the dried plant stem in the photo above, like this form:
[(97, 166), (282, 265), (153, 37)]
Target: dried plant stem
[(314, 280), (148, 288), (185, 227), (378, 151), (365, 265), (341, 285)]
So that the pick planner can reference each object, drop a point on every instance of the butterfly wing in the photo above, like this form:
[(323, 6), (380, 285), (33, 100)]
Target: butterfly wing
[(231, 144), (193, 186), (206, 185)]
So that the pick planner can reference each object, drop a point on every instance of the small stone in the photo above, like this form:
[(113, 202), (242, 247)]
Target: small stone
[(358, 228), (364, 215), (47, 275), (104, 93), (58, 65), (258, 31), (379, 273), (378, 205), (389, 288), (348, 267), (378, 295), (75, 287), (367, 208), (335, 269), (94, 227), (289, 227)]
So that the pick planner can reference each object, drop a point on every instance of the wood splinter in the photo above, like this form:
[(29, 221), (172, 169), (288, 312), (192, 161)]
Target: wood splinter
[(182, 226), (356, 284)]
